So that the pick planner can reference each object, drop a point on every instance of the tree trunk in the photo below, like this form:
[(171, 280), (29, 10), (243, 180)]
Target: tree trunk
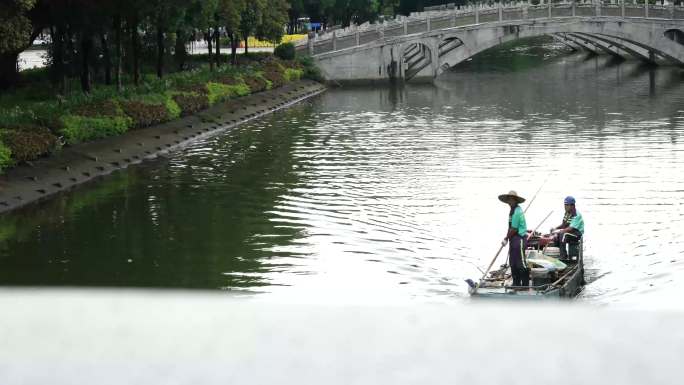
[(135, 48), (217, 35), (208, 38), (246, 45), (233, 48), (180, 51), (160, 50), (58, 71), (9, 75), (86, 48), (118, 53), (107, 58)]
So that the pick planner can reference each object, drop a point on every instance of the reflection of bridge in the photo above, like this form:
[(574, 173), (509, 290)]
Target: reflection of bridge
[(424, 45)]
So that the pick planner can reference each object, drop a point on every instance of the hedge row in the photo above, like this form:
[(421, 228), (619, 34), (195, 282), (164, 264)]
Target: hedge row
[(34, 129)]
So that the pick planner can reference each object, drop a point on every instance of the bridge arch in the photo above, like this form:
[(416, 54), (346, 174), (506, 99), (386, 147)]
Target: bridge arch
[(613, 34), (676, 35), (416, 57)]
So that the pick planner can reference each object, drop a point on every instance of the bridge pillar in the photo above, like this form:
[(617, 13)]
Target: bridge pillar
[(434, 52)]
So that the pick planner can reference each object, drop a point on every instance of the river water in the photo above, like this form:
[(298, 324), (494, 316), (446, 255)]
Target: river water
[(389, 194)]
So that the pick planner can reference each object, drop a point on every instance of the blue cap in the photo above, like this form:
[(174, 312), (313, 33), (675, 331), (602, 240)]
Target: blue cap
[(569, 200)]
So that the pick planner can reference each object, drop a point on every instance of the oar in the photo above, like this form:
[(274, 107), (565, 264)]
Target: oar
[(535, 196), (542, 222), (501, 248)]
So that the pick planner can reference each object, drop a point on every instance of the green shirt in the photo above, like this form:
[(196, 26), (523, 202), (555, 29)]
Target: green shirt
[(577, 222), (518, 221)]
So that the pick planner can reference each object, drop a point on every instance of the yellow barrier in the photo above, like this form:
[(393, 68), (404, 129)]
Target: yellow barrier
[(255, 43)]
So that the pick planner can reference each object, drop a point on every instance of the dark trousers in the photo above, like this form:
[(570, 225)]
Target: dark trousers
[(563, 239), (516, 253)]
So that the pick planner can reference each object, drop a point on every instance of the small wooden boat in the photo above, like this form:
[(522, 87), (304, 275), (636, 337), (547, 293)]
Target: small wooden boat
[(566, 281)]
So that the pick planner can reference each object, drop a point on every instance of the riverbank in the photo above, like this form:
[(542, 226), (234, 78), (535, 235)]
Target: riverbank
[(38, 118), (84, 162)]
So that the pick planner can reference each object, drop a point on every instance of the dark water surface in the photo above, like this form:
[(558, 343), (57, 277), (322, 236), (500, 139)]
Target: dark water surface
[(385, 194)]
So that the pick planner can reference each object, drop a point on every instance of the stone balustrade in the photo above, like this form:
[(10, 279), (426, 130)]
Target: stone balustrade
[(450, 16)]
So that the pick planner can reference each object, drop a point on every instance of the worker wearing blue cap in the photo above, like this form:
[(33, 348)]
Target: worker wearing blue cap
[(572, 227)]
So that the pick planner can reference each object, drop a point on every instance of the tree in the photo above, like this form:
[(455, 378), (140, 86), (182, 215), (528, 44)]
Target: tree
[(296, 10), (230, 14), (16, 34), (273, 21), (250, 18)]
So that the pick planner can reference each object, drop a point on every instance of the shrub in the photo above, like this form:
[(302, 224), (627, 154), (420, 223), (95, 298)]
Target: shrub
[(172, 107), (220, 92), (145, 114), (150, 109), (311, 71), (5, 156), (98, 109), (194, 88), (229, 80), (78, 129), (275, 77), (292, 74), (29, 143), (190, 102), (257, 83), (285, 51)]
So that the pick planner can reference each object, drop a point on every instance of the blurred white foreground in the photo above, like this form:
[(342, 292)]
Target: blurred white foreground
[(143, 337)]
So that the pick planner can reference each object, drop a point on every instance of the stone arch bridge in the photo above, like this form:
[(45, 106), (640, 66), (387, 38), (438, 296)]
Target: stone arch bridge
[(424, 45)]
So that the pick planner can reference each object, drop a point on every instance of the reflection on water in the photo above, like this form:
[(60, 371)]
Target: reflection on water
[(389, 194)]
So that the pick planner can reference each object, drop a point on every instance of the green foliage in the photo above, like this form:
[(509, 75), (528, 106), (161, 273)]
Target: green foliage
[(219, 92), (191, 102), (15, 26), (257, 83), (285, 51), (29, 142), (293, 74), (78, 129), (145, 114), (5, 157), (172, 107), (150, 109), (311, 71)]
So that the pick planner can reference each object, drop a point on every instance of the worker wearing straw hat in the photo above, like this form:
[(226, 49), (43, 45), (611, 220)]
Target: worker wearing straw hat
[(517, 229)]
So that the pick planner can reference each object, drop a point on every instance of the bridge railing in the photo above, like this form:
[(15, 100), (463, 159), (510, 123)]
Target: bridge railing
[(450, 15)]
